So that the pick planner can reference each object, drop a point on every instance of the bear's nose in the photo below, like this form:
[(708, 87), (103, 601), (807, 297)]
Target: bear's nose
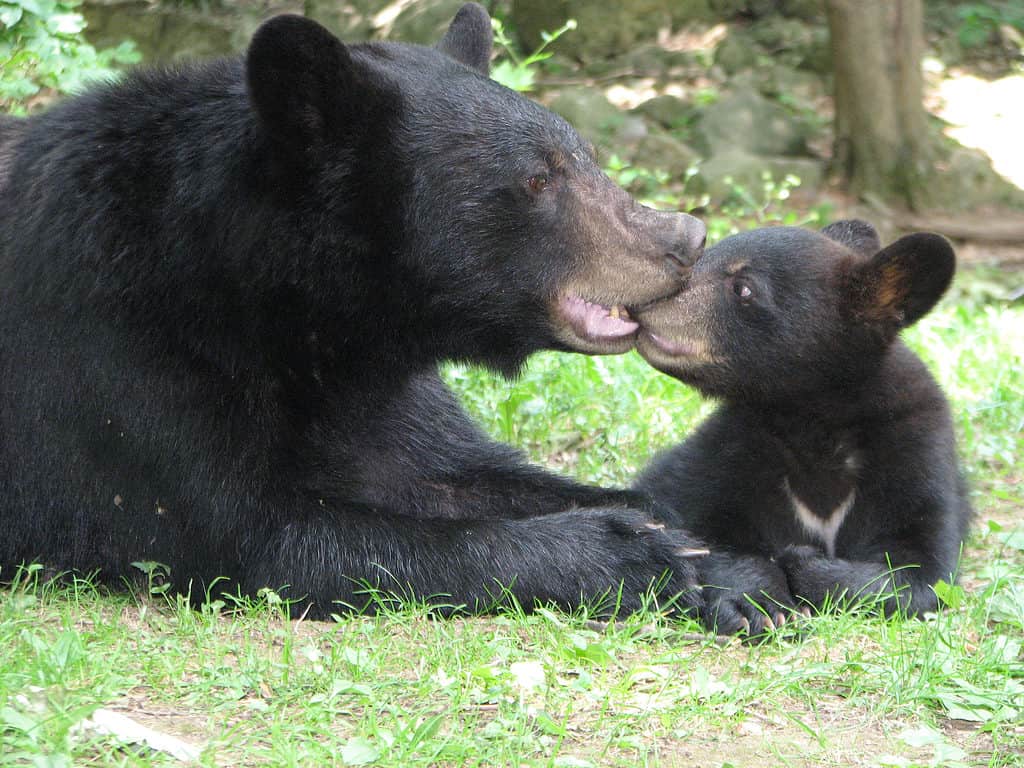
[(691, 240), (676, 239)]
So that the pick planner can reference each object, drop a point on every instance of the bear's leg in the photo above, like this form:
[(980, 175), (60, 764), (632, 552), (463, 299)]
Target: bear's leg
[(608, 556), (824, 581)]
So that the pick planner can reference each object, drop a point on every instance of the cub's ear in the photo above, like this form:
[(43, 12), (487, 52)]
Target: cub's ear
[(469, 38), (857, 235), (901, 283), (300, 77)]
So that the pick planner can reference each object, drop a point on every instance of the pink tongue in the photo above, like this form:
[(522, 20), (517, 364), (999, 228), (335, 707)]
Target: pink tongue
[(593, 320)]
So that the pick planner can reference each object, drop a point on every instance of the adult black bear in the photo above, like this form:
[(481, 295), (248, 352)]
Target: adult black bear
[(225, 291), (830, 469)]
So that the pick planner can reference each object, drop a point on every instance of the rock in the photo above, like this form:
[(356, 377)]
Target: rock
[(632, 130), (805, 9), (736, 52), (660, 151), (743, 119), (424, 21), (590, 113), (778, 40), (669, 112), (350, 20), (735, 167), (778, 33), (171, 33), (605, 29), (793, 42), (965, 180), (798, 85), (648, 60)]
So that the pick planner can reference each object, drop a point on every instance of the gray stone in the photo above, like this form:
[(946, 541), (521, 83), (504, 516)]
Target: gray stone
[(169, 33), (743, 119), (631, 130), (798, 85), (775, 40), (736, 52), (604, 29), (667, 111), (589, 112), (424, 21), (351, 20), (803, 9), (807, 9), (660, 151), (965, 180), (735, 167), (646, 59)]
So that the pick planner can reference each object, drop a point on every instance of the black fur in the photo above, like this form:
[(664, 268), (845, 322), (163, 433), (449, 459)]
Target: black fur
[(225, 291), (822, 406)]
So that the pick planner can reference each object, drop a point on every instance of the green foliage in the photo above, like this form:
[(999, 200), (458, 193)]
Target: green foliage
[(158, 576), (744, 208), (980, 22), (761, 206), (644, 183), (42, 47), (516, 71)]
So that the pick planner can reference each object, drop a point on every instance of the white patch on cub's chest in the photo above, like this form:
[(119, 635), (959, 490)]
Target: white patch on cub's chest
[(825, 529)]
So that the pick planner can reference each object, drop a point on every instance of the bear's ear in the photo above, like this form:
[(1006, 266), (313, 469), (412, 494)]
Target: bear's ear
[(857, 235), (901, 283), (469, 38), (299, 76)]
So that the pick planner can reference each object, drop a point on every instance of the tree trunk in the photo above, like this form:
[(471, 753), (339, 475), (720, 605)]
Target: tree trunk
[(881, 146)]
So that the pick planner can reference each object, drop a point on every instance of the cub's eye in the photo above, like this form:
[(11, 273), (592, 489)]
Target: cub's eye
[(742, 290), (538, 183)]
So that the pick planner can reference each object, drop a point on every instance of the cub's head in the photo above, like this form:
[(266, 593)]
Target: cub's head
[(782, 311)]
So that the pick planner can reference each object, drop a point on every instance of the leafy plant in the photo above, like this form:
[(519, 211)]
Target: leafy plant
[(746, 207), (980, 22), (42, 48), (158, 576), (520, 72), (767, 204)]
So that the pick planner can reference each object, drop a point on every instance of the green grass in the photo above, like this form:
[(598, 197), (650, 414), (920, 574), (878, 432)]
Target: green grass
[(405, 689)]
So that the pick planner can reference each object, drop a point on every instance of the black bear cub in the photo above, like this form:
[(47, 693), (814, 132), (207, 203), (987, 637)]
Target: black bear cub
[(830, 469)]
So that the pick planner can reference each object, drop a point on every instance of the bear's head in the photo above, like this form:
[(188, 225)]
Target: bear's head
[(781, 312), (478, 221)]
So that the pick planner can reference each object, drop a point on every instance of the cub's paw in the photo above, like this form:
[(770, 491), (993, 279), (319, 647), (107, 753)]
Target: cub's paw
[(796, 555), (810, 573)]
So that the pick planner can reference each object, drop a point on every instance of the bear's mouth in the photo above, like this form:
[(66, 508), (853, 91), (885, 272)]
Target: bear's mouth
[(675, 355), (597, 322), (673, 347)]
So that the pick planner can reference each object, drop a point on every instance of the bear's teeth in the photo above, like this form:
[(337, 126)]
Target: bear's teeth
[(614, 311)]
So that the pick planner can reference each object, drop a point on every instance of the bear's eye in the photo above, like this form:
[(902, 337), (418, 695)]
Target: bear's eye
[(742, 290), (538, 183)]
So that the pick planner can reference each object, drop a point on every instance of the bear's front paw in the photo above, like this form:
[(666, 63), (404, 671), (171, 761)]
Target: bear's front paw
[(741, 613), (745, 594), (646, 556)]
